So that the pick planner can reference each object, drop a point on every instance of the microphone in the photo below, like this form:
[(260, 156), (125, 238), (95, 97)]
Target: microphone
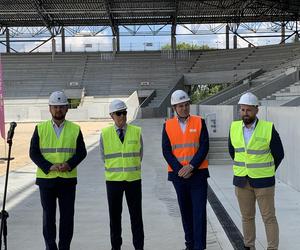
[(11, 131)]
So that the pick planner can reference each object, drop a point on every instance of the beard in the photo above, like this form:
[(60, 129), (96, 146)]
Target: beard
[(59, 116), (248, 120)]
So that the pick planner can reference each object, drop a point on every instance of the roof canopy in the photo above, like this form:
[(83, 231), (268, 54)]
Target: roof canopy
[(50, 13)]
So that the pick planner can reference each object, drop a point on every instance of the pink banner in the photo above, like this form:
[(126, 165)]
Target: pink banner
[(2, 123)]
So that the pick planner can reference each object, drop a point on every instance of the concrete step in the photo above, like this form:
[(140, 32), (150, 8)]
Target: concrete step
[(218, 151), (214, 149), (218, 139), (217, 144), (218, 155), (219, 162)]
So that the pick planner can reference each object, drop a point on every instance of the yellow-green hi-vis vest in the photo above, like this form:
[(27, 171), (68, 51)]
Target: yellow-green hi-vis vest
[(122, 160), (255, 158), (57, 150)]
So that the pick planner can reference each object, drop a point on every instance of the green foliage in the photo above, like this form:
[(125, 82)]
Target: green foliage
[(186, 46), (201, 92), (74, 103)]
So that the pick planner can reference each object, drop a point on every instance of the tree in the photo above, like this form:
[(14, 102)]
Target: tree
[(201, 92), (186, 46)]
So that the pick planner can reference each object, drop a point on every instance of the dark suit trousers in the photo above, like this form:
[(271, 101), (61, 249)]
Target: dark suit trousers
[(192, 199), (133, 194), (65, 194)]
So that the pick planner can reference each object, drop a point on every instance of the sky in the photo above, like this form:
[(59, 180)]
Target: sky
[(145, 41)]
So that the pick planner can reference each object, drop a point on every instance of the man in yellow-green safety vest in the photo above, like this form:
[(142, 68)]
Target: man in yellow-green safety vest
[(257, 151), (57, 147), (121, 149)]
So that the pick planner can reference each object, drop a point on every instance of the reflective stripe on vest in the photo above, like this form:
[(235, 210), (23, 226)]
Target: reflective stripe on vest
[(122, 160), (254, 159), (258, 152), (253, 152), (121, 169), (57, 150), (254, 165), (238, 150), (124, 155), (185, 145)]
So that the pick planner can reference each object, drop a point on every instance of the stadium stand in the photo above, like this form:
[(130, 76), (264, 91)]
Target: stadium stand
[(121, 74), (103, 75), (277, 64), (97, 74)]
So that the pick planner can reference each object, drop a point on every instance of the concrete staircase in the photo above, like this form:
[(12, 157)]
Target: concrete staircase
[(288, 96), (218, 151), (267, 83)]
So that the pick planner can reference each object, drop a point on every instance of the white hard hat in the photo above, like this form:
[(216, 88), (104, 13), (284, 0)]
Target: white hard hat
[(179, 96), (58, 98), (248, 99), (116, 105)]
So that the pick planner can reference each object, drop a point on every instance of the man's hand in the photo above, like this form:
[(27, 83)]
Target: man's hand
[(55, 167), (186, 171), (61, 167), (188, 175), (64, 167)]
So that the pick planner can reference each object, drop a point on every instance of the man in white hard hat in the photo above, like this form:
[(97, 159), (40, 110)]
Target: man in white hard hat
[(185, 144), (256, 150), (57, 147), (121, 149)]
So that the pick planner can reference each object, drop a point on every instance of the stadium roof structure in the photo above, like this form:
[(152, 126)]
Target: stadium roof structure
[(51, 13), (52, 16)]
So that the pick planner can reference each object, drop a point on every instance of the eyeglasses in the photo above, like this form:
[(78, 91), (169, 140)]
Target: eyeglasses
[(119, 113)]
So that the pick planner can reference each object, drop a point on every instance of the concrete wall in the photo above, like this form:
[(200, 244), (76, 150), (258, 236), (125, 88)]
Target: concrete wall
[(133, 106), (218, 118), (96, 108), (92, 108), (286, 121), (25, 109)]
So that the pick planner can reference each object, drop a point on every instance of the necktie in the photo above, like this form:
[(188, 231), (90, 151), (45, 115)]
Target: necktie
[(121, 135)]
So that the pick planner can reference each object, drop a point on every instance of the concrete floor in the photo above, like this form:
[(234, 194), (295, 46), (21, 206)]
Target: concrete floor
[(287, 204), (162, 221)]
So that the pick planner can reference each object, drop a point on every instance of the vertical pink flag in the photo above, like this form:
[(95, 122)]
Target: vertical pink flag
[(2, 123)]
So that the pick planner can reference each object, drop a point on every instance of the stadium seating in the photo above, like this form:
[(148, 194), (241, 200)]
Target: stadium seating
[(105, 74)]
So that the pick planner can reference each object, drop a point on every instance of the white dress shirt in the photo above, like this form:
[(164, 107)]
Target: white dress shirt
[(248, 131)]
